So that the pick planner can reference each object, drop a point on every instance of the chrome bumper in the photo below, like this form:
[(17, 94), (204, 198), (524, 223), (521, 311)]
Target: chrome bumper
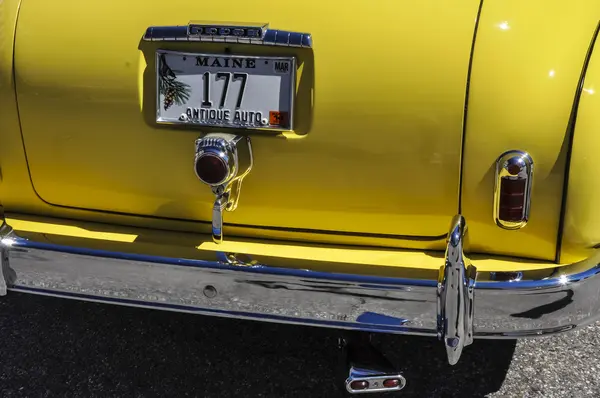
[(457, 307)]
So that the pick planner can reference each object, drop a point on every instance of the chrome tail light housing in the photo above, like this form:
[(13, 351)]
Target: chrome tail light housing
[(222, 161)]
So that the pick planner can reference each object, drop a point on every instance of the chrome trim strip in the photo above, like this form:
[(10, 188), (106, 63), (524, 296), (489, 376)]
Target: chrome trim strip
[(233, 285), (506, 276), (456, 285), (524, 163), (255, 30), (270, 37)]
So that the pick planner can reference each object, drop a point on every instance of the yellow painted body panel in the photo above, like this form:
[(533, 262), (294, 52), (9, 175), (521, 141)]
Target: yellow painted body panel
[(15, 185), (582, 213), (377, 152), (369, 155), (528, 59)]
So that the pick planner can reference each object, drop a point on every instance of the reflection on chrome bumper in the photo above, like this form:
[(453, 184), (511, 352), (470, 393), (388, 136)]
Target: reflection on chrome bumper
[(454, 307)]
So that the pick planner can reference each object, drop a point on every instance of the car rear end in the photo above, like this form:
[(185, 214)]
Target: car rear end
[(322, 165)]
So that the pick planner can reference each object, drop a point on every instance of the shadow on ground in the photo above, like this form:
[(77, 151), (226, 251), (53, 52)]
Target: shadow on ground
[(56, 347)]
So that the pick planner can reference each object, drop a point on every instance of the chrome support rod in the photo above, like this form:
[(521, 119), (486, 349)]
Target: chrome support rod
[(455, 293), (217, 216)]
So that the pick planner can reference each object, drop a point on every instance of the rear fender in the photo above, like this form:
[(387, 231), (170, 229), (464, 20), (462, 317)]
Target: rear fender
[(581, 232), (526, 69)]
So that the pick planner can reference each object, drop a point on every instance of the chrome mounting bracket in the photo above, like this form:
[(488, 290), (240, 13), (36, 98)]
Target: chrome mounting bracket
[(455, 293)]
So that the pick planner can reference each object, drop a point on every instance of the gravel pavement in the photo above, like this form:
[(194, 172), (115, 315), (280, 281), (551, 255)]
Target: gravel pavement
[(53, 347)]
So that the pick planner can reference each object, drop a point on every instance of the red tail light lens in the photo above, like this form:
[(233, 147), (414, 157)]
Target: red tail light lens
[(512, 191), (359, 385), (391, 383), (211, 169), (512, 199)]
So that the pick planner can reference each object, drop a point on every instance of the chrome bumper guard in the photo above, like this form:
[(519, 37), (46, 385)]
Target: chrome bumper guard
[(459, 306)]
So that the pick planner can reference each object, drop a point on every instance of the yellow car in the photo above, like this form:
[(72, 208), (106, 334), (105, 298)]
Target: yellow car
[(317, 163)]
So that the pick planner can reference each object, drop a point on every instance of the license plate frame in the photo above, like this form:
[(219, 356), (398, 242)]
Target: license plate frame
[(168, 109)]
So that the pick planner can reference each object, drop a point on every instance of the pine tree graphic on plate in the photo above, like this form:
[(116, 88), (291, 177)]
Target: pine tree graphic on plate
[(174, 91)]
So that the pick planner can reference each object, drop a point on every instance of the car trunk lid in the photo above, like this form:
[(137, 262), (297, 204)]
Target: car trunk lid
[(376, 145)]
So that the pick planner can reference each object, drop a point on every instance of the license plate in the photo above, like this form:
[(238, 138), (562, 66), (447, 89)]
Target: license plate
[(229, 91)]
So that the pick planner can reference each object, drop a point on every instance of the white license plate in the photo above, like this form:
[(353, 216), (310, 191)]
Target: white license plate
[(230, 91)]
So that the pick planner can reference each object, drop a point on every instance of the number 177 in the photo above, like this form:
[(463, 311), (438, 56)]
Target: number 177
[(228, 77)]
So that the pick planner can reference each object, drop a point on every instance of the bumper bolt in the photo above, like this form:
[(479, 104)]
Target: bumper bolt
[(210, 291)]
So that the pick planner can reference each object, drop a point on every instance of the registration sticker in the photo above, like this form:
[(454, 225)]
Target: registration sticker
[(277, 118)]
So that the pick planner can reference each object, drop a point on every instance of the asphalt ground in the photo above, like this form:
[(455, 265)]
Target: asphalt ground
[(52, 347)]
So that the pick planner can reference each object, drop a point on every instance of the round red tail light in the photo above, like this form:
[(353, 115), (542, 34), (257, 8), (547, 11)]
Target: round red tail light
[(211, 169)]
